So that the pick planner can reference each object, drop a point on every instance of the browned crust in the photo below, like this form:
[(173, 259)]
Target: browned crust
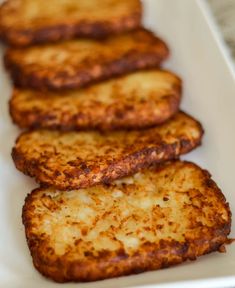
[(132, 118), (81, 29), (97, 115), (129, 164), (151, 256), (134, 60)]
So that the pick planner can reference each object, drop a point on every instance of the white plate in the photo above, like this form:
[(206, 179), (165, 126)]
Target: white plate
[(209, 94)]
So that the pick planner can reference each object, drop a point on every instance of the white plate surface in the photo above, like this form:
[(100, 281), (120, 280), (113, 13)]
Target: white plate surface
[(209, 94)]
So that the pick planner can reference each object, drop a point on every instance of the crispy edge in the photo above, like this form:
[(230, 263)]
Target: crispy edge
[(121, 118), (130, 62), (126, 166), (96, 30), (108, 265)]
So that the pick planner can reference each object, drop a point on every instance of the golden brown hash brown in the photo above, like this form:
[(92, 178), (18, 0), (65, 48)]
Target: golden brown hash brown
[(138, 100), (154, 219), (26, 22), (72, 160), (76, 63)]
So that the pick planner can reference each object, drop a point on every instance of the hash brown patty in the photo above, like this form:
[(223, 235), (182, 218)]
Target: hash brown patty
[(72, 160), (155, 219), (27, 22), (138, 100), (76, 63)]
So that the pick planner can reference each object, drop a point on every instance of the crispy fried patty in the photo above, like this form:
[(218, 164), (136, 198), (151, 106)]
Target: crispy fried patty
[(138, 100), (26, 22), (76, 63), (71, 160), (154, 219)]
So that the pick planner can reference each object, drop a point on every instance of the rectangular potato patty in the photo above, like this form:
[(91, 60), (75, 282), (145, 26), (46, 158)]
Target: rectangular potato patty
[(137, 100), (76, 63), (154, 219), (27, 22), (71, 160)]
